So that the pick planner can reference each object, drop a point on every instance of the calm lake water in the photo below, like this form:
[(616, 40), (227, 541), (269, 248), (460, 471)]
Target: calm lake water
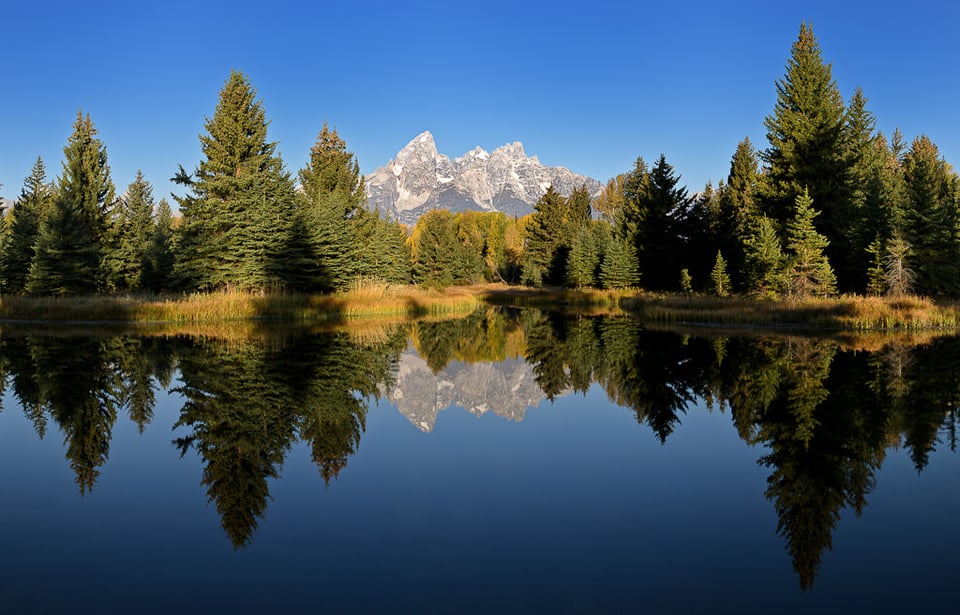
[(509, 461)]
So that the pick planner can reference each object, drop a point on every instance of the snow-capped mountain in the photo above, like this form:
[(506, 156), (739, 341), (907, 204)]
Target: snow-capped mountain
[(420, 179), (507, 389)]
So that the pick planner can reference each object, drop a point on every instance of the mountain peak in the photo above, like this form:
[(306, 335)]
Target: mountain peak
[(424, 138), (507, 180)]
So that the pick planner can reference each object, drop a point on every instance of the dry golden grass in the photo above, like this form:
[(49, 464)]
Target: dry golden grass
[(849, 312), (371, 299), (363, 300)]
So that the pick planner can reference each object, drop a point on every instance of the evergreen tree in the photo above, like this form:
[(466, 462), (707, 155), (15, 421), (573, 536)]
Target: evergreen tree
[(579, 210), (876, 279), (809, 270), (72, 233), (619, 268), (434, 249), (86, 179), (471, 244), (886, 199), (383, 250), (334, 194), (706, 232), (863, 219), (23, 226), (636, 187), (547, 244), (159, 262), (655, 219), (238, 216), (764, 259), (719, 277), (583, 261), (931, 218), (130, 235), (739, 208), (67, 259), (806, 136)]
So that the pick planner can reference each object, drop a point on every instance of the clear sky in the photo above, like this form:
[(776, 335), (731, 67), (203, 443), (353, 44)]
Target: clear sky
[(589, 85)]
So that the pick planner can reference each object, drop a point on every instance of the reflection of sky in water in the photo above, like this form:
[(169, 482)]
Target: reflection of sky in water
[(576, 507)]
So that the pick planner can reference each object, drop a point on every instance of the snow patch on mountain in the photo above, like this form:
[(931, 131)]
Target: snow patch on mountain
[(420, 178)]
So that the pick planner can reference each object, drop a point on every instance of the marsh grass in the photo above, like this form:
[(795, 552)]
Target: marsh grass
[(849, 312), (372, 299), (368, 299)]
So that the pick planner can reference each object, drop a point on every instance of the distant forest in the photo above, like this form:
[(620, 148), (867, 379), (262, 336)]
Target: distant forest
[(831, 205)]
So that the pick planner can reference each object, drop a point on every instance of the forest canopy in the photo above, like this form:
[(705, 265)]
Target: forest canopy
[(827, 205)]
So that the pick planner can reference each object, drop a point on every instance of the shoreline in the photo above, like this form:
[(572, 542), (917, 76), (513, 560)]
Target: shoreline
[(373, 301)]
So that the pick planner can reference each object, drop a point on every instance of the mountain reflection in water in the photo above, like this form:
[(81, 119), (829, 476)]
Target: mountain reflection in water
[(823, 413)]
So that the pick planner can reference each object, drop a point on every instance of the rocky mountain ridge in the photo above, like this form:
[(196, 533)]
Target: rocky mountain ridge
[(420, 179), (507, 389)]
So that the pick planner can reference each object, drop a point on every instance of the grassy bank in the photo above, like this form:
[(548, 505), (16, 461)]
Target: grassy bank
[(368, 300), (377, 301), (852, 313)]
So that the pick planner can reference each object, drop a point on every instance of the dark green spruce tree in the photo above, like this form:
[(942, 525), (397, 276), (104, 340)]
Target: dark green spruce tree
[(23, 222), (931, 217), (807, 141), (739, 210), (69, 247), (159, 262), (809, 272), (333, 196), (436, 252), (239, 214), (865, 218), (548, 241), (129, 237), (655, 219)]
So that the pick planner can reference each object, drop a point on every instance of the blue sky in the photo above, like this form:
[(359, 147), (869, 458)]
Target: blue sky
[(586, 85)]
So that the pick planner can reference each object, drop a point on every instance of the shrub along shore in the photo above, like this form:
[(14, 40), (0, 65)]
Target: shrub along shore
[(376, 301)]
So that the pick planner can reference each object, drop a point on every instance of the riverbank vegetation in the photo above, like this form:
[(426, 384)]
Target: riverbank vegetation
[(832, 224), (377, 302)]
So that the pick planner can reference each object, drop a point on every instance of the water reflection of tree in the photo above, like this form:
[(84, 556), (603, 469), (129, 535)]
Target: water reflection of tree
[(80, 383), (248, 402), (486, 335), (825, 416), (652, 373), (643, 370), (824, 449), (924, 395)]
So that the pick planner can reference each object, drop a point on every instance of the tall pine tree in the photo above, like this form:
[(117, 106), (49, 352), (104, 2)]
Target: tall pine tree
[(239, 212), (809, 272), (806, 137), (130, 235), (69, 248), (655, 219), (548, 241), (23, 226), (333, 196), (931, 218)]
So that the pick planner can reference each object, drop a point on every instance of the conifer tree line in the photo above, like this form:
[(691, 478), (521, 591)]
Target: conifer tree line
[(830, 205)]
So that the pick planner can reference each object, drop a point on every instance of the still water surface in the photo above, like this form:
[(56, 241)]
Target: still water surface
[(510, 461)]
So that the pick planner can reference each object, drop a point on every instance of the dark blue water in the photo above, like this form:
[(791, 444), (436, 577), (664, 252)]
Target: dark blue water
[(575, 504)]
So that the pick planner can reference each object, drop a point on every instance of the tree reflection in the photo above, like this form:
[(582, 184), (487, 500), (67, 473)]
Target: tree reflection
[(80, 383), (248, 402), (824, 414)]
